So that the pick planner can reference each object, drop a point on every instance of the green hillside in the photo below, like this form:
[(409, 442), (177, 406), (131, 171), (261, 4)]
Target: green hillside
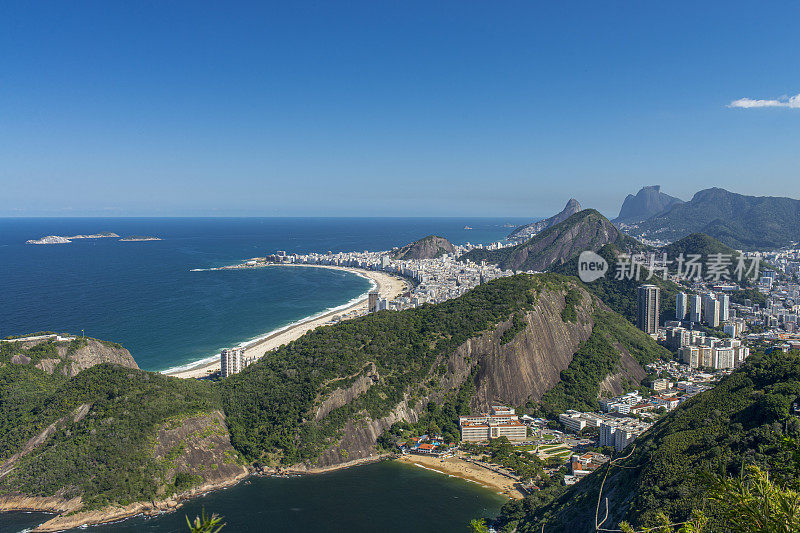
[(585, 230), (106, 419), (268, 404), (743, 421)]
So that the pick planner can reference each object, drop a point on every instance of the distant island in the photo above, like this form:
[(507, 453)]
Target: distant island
[(136, 238), (60, 239)]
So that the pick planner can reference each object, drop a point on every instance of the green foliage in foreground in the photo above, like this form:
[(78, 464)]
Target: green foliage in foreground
[(205, 523), (270, 404), (743, 421), (105, 457), (596, 358)]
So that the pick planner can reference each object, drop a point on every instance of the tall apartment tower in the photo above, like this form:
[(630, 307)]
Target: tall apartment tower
[(724, 307), (230, 360), (696, 313), (711, 311), (647, 297), (373, 301), (681, 306)]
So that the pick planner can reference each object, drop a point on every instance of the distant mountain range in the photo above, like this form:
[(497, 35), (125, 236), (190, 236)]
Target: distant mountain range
[(529, 230), (648, 202), (742, 222)]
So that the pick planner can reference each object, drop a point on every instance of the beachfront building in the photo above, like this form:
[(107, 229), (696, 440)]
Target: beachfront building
[(233, 360), (502, 421)]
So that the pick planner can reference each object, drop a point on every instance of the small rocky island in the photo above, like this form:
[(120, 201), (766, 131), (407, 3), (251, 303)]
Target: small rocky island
[(60, 239), (139, 238)]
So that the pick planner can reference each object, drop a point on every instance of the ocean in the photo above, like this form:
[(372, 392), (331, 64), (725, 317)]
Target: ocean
[(146, 296)]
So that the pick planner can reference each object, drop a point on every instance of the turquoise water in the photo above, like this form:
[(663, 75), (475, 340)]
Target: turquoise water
[(145, 296)]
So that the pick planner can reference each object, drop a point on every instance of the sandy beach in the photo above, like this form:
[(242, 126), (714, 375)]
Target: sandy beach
[(388, 286), (454, 466)]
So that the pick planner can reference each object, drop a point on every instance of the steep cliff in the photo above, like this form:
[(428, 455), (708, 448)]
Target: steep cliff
[(648, 202)]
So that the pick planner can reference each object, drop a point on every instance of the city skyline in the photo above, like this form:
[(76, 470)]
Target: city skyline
[(363, 109)]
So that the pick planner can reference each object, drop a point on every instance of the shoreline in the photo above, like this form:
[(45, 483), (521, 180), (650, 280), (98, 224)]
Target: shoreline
[(65, 514), (387, 285), (457, 467)]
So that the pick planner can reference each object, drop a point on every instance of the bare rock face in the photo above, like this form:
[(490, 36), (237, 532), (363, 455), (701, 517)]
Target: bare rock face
[(94, 353), (531, 364), (70, 357), (203, 448)]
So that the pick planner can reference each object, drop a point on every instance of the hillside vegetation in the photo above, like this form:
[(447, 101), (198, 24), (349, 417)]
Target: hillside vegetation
[(743, 421), (585, 230), (743, 222)]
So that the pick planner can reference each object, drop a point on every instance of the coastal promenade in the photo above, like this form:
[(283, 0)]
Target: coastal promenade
[(388, 286)]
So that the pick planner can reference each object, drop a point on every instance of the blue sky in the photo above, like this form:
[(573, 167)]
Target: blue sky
[(391, 108)]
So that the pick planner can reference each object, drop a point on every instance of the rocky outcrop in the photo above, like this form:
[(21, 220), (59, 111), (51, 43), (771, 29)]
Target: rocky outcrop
[(529, 230), (531, 364), (648, 202), (71, 356), (342, 396), (429, 247)]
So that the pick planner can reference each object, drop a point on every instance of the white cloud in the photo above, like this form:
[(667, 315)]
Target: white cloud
[(784, 101)]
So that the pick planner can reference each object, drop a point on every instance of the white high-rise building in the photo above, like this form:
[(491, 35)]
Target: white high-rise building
[(230, 361), (697, 308), (681, 306), (648, 307), (711, 311), (724, 307)]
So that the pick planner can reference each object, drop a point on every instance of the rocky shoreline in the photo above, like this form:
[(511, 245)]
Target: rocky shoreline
[(68, 515)]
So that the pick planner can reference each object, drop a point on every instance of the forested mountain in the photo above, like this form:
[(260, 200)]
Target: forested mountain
[(528, 230), (743, 222), (113, 441), (428, 247), (649, 201), (743, 421), (585, 230)]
